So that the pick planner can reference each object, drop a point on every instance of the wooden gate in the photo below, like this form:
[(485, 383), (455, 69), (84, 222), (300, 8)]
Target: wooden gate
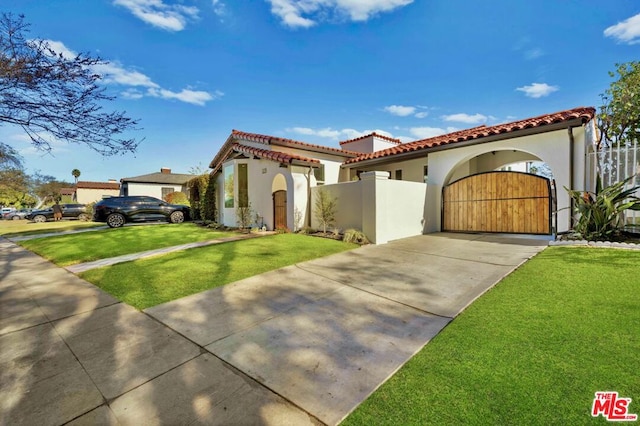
[(510, 202), (280, 209)]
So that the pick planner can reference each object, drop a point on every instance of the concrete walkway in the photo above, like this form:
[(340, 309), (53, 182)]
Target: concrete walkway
[(298, 345), (81, 267)]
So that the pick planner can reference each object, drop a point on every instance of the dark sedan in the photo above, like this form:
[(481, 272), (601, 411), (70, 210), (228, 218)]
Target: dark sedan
[(69, 211), (117, 211)]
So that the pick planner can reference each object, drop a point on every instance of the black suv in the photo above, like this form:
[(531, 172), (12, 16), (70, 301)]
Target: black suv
[(116, 211), (69, 211)]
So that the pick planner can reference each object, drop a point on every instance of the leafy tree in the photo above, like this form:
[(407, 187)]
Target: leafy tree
[(619, 116), (14, 188), (76, 174), (51, 96), (326, 208), (47, 188)]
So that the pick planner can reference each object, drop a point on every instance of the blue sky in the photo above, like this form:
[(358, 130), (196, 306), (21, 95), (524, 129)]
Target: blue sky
[(322, 71)]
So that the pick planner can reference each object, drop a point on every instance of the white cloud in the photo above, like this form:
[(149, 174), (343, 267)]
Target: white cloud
[(421, 114), (533, 53), (306, 13), (219, 8), (465, 118), (159, 14), (429, 132), (117, 74), (538, 90), (329, 133), (627, 31), (399, 110)]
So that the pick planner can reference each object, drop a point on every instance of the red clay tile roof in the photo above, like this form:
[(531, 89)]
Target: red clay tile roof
[(394, 140), (583, 113), (227, 147), (280, 157), (98, 185), (67, 191)]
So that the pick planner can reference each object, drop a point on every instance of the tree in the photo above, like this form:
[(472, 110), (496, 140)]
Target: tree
[(326, 208), (76, 174), (52, 96), (619, 116)]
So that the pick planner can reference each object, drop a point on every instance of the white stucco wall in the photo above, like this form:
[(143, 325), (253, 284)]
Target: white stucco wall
[(151, 189), (412, 170), (382, 208)]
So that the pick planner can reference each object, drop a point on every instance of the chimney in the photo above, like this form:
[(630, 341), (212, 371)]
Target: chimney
[(165, 170)]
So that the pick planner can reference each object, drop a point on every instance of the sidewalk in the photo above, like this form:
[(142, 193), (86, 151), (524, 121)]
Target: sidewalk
[(69, 351)]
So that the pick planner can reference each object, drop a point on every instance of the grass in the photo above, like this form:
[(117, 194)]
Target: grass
[(14, 228), (532, 351), (70, 249), (149, 282)]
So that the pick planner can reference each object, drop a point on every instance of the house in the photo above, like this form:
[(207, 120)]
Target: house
[(155, 184), (391, 190), (86, 192)]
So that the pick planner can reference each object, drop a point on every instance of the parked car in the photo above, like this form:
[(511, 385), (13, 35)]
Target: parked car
[(17, 215), (69, 211), (117, 211), (5, 211)]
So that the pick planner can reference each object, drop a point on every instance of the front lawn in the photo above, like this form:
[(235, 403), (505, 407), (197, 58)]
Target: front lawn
[(70, 249), (15, 228), (149, 282), (532, 351)]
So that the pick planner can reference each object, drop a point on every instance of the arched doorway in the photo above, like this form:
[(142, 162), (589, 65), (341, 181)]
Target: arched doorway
[(279, 193)]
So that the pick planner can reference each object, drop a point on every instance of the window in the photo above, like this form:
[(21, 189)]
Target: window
[(228, 186), (399, 174), (318, 173), (166, 191), (425, 178), (243, 185)]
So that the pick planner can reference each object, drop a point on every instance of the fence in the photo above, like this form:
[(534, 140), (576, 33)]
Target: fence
[(617, 163)]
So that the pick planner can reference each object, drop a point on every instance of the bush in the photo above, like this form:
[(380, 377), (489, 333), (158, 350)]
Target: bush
[(326, 207), (177, 198), (600, 213), (355, 236)]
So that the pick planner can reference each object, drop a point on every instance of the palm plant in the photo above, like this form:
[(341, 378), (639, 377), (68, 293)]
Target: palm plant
[(76, 174), (600, 212)]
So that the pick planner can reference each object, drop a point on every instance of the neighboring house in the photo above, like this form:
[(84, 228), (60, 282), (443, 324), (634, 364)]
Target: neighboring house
[(392, 190), (89, 192), (155, 184), (68, 193)]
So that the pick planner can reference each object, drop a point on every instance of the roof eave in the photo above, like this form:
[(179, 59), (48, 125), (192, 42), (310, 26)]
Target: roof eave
[(420, 152)]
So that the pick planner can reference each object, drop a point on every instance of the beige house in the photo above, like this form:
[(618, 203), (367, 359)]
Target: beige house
[(390, 190), (89, 192)]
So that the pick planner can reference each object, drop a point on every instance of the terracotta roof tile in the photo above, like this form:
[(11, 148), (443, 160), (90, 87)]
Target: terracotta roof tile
[(394, 140), (273, 140), (280, 157), (583, 113), (98, 185)]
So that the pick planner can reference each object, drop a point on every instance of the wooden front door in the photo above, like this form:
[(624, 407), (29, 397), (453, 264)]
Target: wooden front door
[(510, 202), (280, 209)]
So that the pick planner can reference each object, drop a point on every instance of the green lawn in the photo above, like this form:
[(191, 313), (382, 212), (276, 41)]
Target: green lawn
[(14, 228), (70, 249), (532, 351), (149, 282)]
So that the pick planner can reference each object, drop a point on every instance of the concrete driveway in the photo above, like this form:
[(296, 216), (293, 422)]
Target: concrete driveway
[(325, 334)]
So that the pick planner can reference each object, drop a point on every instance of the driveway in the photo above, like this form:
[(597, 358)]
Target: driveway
[(325, 334)]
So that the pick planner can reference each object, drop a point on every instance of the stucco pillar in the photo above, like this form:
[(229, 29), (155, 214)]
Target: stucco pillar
[(370, 205)]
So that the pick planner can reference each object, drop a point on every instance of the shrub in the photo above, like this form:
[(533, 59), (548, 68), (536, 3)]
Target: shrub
[(243, 215), (355, 236), (177, 197), (325, 209), (599, 213), (209, 202)]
